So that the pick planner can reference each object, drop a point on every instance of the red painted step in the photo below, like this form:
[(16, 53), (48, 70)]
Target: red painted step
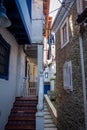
[(24, 110), (27, 100), (20, 127), (24, 104), (21, 118), (22, 115)]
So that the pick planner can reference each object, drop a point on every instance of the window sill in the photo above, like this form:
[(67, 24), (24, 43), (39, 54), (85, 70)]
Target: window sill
[(63, 45)]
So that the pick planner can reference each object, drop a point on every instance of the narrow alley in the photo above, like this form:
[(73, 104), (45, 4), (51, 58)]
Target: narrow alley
[(43, 64)]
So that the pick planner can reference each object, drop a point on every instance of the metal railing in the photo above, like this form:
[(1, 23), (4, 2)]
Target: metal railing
[(31, 91), (29, 88)]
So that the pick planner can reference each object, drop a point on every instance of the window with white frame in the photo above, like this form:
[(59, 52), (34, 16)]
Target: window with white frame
[(64, 33), (79, 4), (67, 76)]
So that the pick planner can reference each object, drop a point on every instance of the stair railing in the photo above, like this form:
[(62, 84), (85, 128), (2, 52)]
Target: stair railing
[(40, 107), (29, 88)]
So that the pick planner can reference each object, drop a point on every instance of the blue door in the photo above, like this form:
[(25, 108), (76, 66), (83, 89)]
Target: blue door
[(46, 88)]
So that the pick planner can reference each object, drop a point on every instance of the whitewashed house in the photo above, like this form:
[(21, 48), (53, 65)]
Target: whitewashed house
[(14, 57), (48, 51)]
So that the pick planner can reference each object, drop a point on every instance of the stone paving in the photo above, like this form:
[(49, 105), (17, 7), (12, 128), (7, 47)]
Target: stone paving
[(48, 121)]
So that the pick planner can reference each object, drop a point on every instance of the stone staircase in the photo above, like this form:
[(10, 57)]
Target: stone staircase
[(22, 115), (48, 121)]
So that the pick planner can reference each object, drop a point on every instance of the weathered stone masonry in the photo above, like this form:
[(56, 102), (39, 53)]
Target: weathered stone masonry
[(70, 105)]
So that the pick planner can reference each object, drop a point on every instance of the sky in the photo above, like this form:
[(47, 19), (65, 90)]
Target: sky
[(54, 4)]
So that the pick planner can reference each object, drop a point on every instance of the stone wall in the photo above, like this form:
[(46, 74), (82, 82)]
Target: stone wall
[(70, 107)]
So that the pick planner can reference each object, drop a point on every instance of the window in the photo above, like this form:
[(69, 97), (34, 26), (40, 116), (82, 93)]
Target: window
[(4, 58), (64, 33), (46, 74), (67, 76)]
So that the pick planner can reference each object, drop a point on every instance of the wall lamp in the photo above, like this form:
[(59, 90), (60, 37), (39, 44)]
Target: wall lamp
[(4, 20)]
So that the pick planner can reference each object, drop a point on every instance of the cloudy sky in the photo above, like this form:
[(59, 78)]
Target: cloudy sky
[(54, 4)]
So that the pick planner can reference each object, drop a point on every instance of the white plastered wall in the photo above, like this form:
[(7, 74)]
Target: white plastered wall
[(9, 88), (37, 21)]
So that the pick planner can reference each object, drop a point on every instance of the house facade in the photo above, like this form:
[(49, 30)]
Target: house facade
[(15, 62), (8, 87), (50, 69), (70, 77), (12, 65), (48, 50)]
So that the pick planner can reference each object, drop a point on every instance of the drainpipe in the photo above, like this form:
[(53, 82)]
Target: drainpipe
[(83, 78)]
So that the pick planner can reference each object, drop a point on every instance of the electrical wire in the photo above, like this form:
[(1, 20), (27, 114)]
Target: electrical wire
[(64, 4), (53, 10), (59, 7)]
